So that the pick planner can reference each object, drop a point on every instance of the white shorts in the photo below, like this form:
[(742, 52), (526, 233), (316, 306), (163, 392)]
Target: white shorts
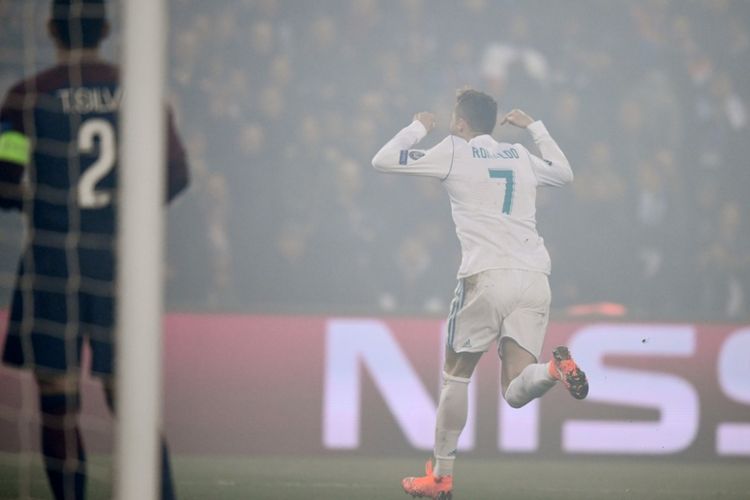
[(500, 303)]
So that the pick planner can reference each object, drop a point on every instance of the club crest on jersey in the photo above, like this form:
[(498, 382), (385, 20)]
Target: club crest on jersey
[(406, 155)]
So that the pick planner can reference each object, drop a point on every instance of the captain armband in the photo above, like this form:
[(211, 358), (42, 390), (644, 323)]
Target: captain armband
[(15, 147)]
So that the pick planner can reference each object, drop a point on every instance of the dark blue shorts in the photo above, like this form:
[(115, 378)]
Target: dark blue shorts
[(50, 319)]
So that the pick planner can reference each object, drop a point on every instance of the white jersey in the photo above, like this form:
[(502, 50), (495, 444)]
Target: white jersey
[(492, 189)]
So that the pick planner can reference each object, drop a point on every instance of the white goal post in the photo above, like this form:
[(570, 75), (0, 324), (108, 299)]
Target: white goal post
[(140, 250)]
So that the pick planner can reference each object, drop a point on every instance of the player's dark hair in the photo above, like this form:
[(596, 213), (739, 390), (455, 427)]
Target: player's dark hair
[(478, 109), (79, 24)]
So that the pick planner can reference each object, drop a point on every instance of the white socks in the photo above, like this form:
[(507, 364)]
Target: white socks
[(452, 411), (531, 383)]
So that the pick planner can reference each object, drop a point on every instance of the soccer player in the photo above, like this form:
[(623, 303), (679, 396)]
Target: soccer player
[(503, 293), (59, 131)]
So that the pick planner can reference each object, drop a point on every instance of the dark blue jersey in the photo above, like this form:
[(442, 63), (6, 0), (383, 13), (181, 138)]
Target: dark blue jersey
[(60, 128), (68, 116)]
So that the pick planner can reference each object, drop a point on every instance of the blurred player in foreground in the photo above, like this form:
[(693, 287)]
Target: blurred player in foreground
[(503, 293), (59, 128)]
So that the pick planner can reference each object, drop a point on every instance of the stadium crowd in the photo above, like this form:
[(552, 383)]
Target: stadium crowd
[(283, 104)]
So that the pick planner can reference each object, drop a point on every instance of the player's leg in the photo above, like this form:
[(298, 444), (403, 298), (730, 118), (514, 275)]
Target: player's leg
[(522, 378), (452, 411), (99, 310), (453, 407), (167, 485), (62, 446), (54, 356), (522, 336), (523, 330), (470, 327)]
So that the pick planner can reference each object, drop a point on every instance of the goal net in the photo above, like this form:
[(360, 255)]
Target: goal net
[(82, 265)]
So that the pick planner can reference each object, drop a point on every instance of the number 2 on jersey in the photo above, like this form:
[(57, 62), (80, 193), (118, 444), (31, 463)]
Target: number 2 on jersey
[(509, 185), (88, 196)]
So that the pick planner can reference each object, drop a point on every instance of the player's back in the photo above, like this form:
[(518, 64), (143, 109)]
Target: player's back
[(69, 115), (70, 112), (492, 188)]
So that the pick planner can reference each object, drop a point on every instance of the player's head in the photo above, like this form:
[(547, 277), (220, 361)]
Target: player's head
[(475, 113), (78, 24)]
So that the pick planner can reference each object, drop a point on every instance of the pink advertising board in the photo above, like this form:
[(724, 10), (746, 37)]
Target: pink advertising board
[(249, 384)]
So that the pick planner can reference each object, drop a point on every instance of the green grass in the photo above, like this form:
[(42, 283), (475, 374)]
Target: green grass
[(350, 478)]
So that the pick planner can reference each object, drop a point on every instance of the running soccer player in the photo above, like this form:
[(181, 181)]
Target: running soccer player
[(503, 293), (59, 130)]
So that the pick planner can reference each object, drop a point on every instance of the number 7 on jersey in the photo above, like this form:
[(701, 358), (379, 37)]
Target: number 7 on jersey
[(509, 185)]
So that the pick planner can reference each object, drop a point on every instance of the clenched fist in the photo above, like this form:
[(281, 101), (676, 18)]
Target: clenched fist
[(427, 119), (517, 118)]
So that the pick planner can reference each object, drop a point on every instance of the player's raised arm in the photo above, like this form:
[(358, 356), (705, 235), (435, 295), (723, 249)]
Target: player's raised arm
[(553, 168), (398, 156)]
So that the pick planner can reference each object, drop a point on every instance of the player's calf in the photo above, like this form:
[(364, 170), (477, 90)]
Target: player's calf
[(62, 447)]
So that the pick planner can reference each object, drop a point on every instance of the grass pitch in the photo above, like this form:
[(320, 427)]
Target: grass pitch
[(355, 478)]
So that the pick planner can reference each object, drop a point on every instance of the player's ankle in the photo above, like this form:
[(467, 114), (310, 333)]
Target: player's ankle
[(443, 467)]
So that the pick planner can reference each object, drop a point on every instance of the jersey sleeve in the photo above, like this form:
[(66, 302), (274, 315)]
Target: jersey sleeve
[(553, 168), (178, 174), (397, 156), (15, 149)]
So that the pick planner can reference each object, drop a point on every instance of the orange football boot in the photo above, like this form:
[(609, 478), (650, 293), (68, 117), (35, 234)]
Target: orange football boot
[(563, 368), (437, 488)]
